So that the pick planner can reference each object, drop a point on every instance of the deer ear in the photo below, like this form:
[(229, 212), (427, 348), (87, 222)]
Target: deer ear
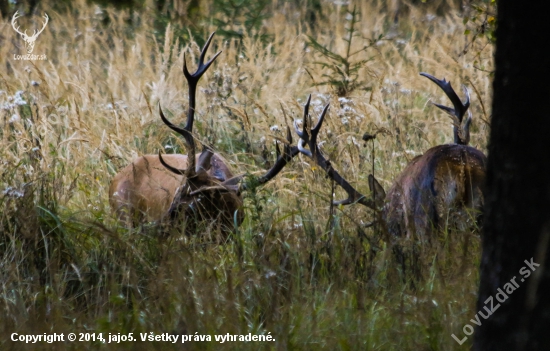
[(378, 190), (203, 165)]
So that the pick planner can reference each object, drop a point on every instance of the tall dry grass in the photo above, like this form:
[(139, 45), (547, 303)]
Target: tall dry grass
[(305, 272)]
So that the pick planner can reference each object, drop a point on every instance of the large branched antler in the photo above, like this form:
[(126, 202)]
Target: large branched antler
[(235, 184), (289, 152), (187, 131), (461, 130), (315, 153)]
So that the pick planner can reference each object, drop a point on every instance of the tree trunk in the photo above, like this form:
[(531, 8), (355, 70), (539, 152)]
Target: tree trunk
[(516, 230)]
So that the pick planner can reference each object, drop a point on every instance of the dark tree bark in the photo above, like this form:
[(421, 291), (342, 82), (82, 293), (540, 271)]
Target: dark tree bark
[(517, 207)]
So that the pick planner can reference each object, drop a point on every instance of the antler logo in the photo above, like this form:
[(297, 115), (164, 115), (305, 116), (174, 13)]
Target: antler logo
[(29, 40)]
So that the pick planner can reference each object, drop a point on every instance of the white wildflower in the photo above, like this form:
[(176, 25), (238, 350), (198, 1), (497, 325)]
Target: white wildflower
[(347, 109), (317, 102), (344, 100), (270, 274), (18, 98), (13, 192), (14, 118)]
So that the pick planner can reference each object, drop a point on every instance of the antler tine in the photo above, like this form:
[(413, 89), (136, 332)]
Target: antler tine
[(289, 151), (288, 136), (170, 125), (457, 113), (190, 142), (303, 134), (277, 149), (171, 168), (315, 153), (315, 130), (203, 54), (459, 107), (192, 81), (202, 66)]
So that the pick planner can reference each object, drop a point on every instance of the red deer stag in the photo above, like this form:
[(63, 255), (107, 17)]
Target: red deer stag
[(200, 187), (444, 183)]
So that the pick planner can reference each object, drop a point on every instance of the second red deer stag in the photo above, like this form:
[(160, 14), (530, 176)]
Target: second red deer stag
[(444, 183), (194, 187)]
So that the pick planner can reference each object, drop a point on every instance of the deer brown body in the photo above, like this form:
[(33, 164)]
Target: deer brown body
[(436, 189), (193, 188), (144, 190)]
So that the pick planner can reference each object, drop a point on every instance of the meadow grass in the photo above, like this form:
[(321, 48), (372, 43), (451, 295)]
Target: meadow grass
[(298, 268)]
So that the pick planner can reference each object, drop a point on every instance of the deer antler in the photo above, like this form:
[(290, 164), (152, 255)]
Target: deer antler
[(186, 132), (289, 151), (461, 130), (314, 153)]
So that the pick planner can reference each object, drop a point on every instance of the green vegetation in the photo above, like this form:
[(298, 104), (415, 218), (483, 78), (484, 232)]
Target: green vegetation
[(344, 73), (304, 271)]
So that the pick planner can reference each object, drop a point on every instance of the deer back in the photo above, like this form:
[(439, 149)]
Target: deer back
[(440, 187)]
